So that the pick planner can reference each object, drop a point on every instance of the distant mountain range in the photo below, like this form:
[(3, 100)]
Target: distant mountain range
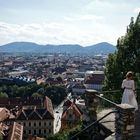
[(16, 47)]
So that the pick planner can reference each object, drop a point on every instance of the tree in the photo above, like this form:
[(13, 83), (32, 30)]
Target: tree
[(1, 137), (36, 95), (3, 94), (126, 58), (66, 134), (56, 93), (112, 71)]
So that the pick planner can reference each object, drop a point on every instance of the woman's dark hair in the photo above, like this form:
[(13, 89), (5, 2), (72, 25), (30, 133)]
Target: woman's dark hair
[(129, 74)]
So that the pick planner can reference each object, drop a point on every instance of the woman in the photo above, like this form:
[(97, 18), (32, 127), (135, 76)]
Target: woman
[(129, 91)]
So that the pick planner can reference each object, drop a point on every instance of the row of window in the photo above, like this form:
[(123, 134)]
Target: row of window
[(94, 86), (36, 124), (37, 132)]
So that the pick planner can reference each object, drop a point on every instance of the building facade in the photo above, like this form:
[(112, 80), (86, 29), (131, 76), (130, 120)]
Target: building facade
[(71, 115), (36, 122)]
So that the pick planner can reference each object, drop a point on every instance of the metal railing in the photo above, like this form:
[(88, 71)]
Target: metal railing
[(92, 124), (109, 101), (100, 96)]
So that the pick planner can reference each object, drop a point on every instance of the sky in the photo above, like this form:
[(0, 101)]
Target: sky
[(83, 22)]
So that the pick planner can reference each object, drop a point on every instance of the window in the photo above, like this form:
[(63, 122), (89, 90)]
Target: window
[(39, 123), (45, 131), (34, 124), (49, 130), (29, 131), (29, 124), (44, 123), (70, 116), (34, 132), (70, 124), (39, 131), (24, 132), (50, 123)]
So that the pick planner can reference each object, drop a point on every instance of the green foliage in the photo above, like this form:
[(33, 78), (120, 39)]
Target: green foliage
[(65, 135), (1, 137), (59, 136), (3, 94), (36, 95), (54, 92), (126, 58), (112, 72)]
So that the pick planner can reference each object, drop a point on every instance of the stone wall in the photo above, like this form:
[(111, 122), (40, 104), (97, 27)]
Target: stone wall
[(124, 122), (91, 103), (124, 117)]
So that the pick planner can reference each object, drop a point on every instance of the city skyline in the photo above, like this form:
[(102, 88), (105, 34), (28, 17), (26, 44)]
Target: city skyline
[(83, 22)]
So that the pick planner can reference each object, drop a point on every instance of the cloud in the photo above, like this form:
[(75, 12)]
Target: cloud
[(84, 17), (40, 33), (59, 32), (137, 10), (83, 22)]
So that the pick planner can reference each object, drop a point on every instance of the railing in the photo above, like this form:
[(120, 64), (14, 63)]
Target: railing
[(124, 116), (91, 125), (105, 99), (110, 98)]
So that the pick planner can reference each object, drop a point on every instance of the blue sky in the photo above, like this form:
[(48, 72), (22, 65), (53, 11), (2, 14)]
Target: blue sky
[(83, 22)]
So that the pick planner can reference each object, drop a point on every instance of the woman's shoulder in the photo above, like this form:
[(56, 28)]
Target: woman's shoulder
[(126, 80), (132, 81)]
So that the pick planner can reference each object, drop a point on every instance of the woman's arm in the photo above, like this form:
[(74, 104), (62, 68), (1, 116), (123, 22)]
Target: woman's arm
[(122, 86), (133, 88)]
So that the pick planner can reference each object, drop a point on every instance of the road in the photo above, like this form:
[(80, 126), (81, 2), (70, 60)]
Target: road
[(57, 115)]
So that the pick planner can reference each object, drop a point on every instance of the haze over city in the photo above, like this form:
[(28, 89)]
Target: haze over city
[(83, 22)]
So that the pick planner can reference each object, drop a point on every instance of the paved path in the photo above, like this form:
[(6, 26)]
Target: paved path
[(109, 121), (57, 117), (112, 118)]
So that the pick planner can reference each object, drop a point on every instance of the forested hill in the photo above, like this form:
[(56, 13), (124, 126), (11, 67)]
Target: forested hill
[(100, 48)]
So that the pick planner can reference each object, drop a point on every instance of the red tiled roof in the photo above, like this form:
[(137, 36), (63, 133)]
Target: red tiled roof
[(22, 115), (35, 138), (4, 114), (16, 133), (75, 109), (12, 102), (34, 114), (48, 105)]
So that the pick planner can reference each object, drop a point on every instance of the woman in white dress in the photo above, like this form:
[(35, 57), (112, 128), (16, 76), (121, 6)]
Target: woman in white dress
[(129, 96)]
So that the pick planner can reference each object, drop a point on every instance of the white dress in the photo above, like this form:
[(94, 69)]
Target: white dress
[(128, 94)]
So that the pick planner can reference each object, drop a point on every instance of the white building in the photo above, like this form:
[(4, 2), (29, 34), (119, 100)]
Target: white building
[(94, 80)]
